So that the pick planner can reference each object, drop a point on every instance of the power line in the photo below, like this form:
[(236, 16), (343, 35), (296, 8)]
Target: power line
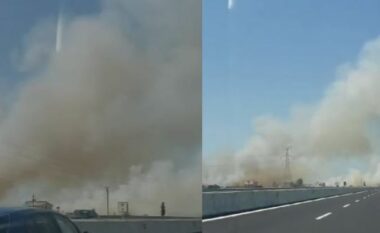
[(108, 200)]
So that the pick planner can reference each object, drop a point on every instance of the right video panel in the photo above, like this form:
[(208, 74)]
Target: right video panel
[(291, 116)]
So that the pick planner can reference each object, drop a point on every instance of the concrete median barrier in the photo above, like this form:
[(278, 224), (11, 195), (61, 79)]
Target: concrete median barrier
[(139, 226)]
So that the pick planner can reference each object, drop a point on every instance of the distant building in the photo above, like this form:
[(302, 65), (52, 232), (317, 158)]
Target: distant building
[(252, 184), (38, 204), (123, 208)]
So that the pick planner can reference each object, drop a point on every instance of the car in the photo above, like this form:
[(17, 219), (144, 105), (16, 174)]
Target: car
[(84, 214), (32, 220)]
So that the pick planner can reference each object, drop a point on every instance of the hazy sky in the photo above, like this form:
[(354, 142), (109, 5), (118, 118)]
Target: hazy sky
[(17, 19), (261, 57)]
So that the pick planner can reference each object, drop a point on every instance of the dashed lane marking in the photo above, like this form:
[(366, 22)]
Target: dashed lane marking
[(346, 205), (323, 216)]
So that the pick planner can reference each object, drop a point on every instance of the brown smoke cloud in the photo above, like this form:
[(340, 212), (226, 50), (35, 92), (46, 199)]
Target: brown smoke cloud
[(332, 141), (123, 92)]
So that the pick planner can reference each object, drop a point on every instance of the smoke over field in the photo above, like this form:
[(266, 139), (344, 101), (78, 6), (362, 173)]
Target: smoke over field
[(326, 139), (118, 104)]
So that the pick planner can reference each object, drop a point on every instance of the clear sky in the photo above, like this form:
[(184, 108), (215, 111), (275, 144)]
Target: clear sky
[(19, 17), (261, 57)]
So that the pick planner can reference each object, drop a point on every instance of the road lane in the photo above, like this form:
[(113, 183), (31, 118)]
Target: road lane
[(303, 217)]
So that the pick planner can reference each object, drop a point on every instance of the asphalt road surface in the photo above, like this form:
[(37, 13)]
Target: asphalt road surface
[(350, 213)]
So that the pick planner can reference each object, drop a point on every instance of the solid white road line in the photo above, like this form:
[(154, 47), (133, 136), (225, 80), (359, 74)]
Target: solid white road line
[(323, 216), (346, 205)]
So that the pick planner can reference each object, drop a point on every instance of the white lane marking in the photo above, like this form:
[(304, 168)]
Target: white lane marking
[(323, 216), (346, 205), (357, 200), (275, 207)]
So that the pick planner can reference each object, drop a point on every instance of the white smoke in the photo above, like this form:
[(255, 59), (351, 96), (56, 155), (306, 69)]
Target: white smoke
[(118, 106), (331, 141)]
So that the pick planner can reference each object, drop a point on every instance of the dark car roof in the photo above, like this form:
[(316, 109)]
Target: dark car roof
[(21, 210)]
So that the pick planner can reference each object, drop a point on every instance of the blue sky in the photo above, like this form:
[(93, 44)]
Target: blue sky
[(17, 19), (263, 56)]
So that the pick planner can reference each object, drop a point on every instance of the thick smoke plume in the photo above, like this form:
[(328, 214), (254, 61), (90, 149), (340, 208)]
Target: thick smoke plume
[(333, 141), (118, 106)]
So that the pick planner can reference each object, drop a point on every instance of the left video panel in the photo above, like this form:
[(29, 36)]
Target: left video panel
[(100, 116)]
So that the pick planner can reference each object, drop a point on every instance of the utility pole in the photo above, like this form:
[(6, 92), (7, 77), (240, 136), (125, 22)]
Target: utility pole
[(33, 200), (288, 175), (108, 200)]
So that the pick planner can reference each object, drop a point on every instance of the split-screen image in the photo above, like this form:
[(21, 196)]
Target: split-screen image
[(189, 116)]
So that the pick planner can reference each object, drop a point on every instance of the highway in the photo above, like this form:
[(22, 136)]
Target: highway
[(349, 213)]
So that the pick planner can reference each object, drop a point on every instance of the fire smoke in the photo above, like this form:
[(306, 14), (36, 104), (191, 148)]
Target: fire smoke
[(118, 106), (332, 141)]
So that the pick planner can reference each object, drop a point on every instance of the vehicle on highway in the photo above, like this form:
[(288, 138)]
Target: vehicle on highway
[(83, 214), (32, 220)]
